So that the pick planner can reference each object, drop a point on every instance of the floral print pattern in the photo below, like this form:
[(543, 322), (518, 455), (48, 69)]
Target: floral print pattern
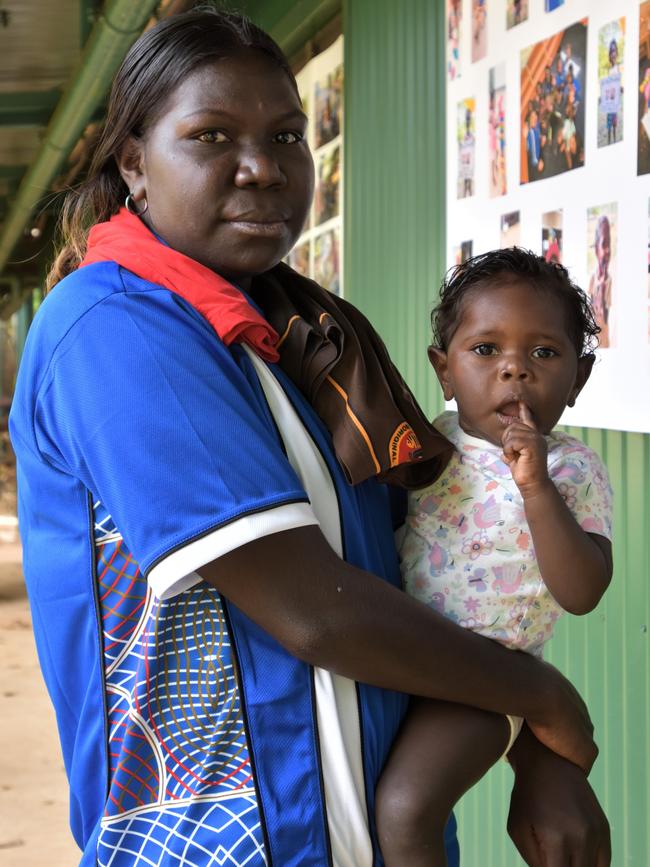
[(467, 550)]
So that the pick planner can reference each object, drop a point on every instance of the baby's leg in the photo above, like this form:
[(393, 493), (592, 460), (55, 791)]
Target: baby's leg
[(440, 752)]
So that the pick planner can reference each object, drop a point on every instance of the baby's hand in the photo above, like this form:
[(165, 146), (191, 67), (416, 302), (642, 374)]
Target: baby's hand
[(525, 451)]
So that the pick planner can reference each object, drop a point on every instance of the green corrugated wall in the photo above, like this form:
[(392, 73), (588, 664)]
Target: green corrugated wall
[(394, 259)]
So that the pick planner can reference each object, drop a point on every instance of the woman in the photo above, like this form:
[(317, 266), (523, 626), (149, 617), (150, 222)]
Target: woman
[(184, 515)]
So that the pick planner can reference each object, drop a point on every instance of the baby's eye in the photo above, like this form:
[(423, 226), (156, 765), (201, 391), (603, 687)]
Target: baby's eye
[(288, 137), (485, 349), (544, 352), (213, 136)]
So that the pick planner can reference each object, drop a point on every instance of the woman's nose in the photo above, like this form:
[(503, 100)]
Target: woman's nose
[(259, 167)]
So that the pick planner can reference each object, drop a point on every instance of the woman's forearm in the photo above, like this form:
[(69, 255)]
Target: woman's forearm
[(337, 617)]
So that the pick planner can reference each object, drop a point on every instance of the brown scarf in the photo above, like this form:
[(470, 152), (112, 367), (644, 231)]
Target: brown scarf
[(341, 365)]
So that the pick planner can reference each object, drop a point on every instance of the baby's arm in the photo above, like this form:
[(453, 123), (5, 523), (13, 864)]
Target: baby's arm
[(576, 566)]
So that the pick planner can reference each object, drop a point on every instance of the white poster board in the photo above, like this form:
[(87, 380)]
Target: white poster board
[(560, 212)]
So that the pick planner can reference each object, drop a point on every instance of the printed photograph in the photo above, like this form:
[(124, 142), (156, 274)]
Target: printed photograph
[(327, 270), (601, 267), (454, 24), (466, 137), (552, 236), (611, 44), (328, 180), (643, 140), (551, 5), (497, 130), (553, 76), (298, 258), (328, 105), (479, 29), (510, 229), (462, 252), (517, 11)]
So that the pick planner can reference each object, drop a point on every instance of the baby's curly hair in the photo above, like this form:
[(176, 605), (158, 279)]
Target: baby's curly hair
[(514, 264)]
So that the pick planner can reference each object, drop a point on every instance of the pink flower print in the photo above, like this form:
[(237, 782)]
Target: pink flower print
[(444, 516), (600, 479), (568, 493), (477, 545), (454, 472), (518, 620), (471, 604), (455, 489), (491, 485)]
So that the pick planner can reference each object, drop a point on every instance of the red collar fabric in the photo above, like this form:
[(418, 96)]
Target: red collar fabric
[(126, 240)]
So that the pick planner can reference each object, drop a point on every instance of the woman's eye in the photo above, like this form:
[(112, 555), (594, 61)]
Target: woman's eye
[(288, 137), (484, 349), (212, 136), (544, 352)]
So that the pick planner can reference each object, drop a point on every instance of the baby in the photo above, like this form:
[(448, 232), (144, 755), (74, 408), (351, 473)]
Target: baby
[(515, 531)]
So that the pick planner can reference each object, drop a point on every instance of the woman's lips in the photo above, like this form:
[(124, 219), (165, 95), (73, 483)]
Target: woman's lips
[(260, 228)]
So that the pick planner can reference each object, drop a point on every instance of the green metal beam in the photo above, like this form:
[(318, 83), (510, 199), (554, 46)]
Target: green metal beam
[(292, 22), (119, 25)]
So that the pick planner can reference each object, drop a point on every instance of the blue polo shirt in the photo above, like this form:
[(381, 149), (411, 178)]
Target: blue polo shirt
[(146, 449)]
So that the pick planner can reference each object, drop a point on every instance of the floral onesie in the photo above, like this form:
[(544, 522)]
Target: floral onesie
[(467, 549)]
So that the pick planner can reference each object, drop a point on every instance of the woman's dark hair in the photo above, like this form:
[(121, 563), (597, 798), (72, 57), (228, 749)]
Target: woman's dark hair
[(511, 265), (156, 64)]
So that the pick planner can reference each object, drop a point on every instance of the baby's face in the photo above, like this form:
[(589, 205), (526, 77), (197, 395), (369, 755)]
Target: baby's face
[(511, 347)]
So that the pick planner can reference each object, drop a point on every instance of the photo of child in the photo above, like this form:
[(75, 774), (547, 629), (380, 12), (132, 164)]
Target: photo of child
[(497, 130), (553, 75), (465, 134), (601, 266), (328, 107), (611, 43), (454, 23), (326, 260), (552, 237), (516, 12), (643, 140), (298, 258), (328, 177), (510, 229), (479, 29)]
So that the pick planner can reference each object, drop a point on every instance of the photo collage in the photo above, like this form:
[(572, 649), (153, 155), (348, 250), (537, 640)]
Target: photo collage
[(542, 152), (318, 252)]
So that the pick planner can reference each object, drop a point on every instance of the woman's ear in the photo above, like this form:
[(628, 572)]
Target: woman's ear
[(585, 365), (130, 162), (438, 359)]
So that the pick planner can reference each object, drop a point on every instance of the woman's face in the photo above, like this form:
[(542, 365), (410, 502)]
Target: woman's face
[(225, 168)]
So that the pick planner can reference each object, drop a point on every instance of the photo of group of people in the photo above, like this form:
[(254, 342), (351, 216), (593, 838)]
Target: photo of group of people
[(497, 130), (318, 251), (553, 75), (466, 136), (611, 45)]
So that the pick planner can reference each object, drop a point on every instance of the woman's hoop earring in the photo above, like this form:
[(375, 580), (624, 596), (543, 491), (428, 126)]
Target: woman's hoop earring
[(132, 208)]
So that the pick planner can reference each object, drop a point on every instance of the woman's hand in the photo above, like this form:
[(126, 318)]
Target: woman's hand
[(563, 724), (555, 818)]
